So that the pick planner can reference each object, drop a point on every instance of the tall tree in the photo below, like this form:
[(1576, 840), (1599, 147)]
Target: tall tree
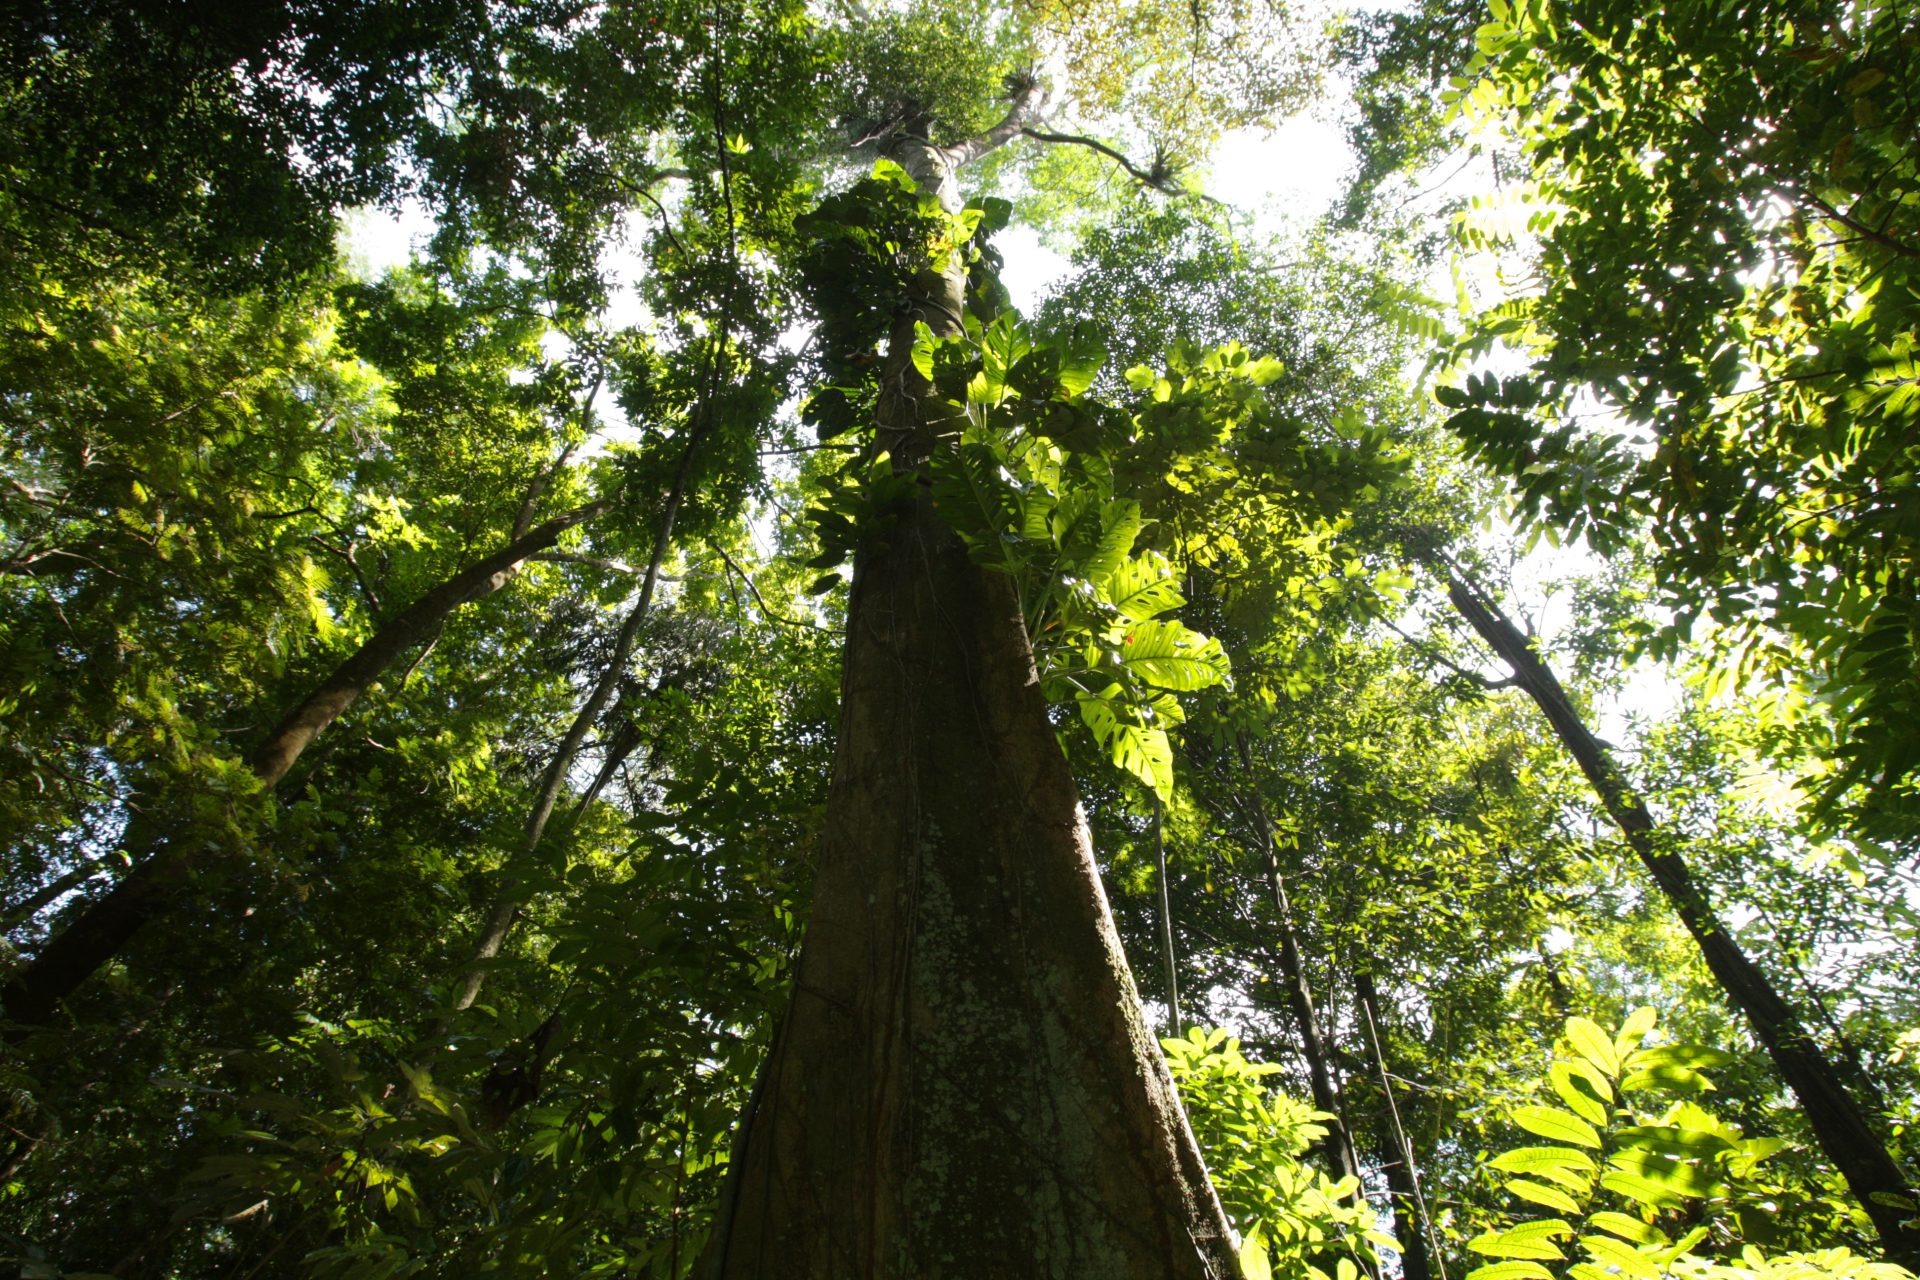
[(962, 986), (1838, 1118)]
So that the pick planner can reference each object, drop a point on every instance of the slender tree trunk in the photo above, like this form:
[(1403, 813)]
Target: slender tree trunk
[(964, 1084), (506, 909), (1168, 960), (1413, 1227), (167, 860), (1838, 1122), (30, 906), (1337, 1146), (330, 699), (1410, 1228)]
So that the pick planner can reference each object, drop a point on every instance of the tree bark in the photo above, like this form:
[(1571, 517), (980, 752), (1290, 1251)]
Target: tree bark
[(105, 926), (1839, 1124), (964, 1084)]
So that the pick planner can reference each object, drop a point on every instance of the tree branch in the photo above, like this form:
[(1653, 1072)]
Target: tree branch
[(1157, 178), (765, 612), (1874, 234), (1029, 100), (1433, 654), (666, 223), (591, 562)]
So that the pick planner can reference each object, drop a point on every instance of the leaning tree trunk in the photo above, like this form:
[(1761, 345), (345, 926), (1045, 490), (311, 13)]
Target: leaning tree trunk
[(964, 1084), (1838, 1122), (506, 909), (105, 926), (1169, 961)]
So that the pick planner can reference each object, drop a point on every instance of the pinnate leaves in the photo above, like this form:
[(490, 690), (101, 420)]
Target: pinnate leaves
[(1652, 1165)]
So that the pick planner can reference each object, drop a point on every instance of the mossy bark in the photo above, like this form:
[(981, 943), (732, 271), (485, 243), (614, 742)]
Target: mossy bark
[(964, 1084)]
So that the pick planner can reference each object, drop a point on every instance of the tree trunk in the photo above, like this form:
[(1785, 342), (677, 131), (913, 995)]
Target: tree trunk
[(30, 906), (506, 908), (964, 1084), (1838, 1122), (1337, 1147), (106, 925), (1410, 1231), (330, 699), (1168, 960), (1411, 1225)]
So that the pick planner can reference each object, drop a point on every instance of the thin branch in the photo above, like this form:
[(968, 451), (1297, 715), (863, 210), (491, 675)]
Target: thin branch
[(591, 562), (1433, 654), (537, 487), (433, 642), (346, 553), (1156, 179), (666, 223), (758, 599), (807, 448), (1874, 234), (308, 510)]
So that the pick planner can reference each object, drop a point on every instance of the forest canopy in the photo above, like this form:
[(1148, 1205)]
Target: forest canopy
[(676, 731)]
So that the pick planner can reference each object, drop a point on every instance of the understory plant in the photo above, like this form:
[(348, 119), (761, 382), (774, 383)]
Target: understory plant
[(1641, 1179)]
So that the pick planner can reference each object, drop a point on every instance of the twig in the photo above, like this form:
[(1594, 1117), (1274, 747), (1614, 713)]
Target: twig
[(666, 223), (1874, 234), (758, 599), (592, 562), (1485, 682)]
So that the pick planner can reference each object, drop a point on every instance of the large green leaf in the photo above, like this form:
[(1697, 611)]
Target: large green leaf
[(1532, 1160), (1676, 1055), (1626, 1227), (1253, 1258), (1582, 1088), (1680, 1176), (1541, 1194), (1633, 1030), (1510, 1271), (1640, 1190), (1169, 655), (1119, 525), (1593, 1044), (1561, 1126), (1142, 587), (1529, 1240), (1609, 1252), (1138, 749)]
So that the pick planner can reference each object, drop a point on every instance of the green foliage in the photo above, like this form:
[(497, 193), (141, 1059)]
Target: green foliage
[(935, 70), (1645, 1186), (1030, 483), (223, 467), (1723, 203), (1295, 1221)]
